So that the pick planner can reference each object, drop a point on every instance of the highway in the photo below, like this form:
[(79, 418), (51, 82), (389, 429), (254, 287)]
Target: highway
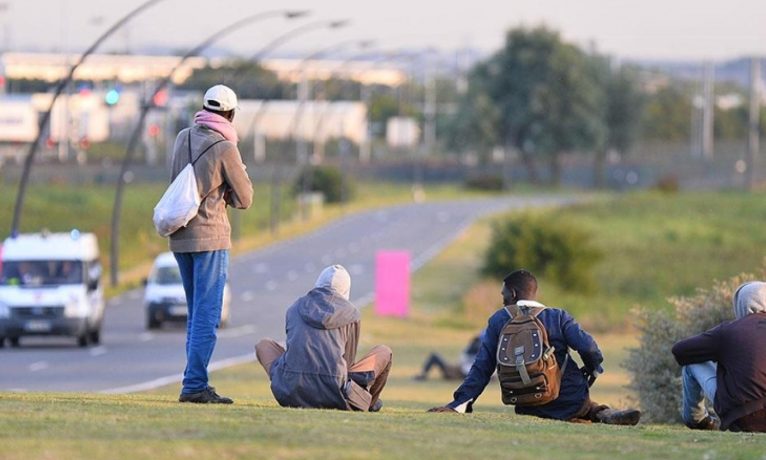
[(264, 283)]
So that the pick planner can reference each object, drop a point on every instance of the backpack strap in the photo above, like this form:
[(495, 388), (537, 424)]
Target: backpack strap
[(203, 152)]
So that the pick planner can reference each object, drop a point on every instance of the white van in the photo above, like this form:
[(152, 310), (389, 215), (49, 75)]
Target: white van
[(51, 285), (165, 299)]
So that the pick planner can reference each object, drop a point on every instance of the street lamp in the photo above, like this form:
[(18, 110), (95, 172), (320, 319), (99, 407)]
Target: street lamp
[(149, 104), (28, 161)]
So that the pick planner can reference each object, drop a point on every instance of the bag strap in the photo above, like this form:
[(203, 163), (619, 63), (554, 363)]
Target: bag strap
[(203, 152)]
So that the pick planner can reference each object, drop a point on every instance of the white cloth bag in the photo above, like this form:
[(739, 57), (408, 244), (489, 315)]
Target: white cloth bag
[(179, 204)]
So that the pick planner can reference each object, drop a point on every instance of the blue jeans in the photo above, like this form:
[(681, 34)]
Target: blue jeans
[(204, 276), (698, 382)]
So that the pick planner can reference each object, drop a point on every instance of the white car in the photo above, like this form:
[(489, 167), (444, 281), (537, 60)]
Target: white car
[(164, 297), (51, 285)]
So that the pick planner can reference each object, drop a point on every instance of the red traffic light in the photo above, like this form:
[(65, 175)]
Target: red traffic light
[(160, 98)]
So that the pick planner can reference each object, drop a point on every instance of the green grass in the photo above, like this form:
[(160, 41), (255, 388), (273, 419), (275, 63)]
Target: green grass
[(656, 246), (153, 425)]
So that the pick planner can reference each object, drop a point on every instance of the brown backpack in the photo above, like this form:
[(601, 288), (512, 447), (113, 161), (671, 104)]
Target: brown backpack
[(526, 366)]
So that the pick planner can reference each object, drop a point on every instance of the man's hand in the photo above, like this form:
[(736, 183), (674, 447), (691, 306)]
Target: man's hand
[(442, 409)]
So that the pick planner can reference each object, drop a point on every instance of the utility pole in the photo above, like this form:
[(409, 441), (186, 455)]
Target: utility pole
[(753, 123), (708, 112)]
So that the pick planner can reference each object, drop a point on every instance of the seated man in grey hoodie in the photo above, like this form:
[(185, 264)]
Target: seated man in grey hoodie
[(318, 368), (727, 364)]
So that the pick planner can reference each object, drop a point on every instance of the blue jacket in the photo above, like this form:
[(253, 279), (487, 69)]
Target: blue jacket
[(563, 333)]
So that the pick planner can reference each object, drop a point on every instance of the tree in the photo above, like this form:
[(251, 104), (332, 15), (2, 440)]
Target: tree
[(252, 81), (667, 114), (622, 111), (548, 100)]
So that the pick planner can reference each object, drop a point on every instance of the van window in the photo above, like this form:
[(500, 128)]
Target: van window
[(41, 272), (167, 276)]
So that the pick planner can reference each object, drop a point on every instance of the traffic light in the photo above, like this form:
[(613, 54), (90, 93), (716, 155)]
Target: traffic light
[(160, 98), (112, 97)]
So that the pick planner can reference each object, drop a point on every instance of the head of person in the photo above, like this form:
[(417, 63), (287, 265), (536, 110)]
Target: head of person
[(749, 298), (336, 279), (221, 100), (519, 285)]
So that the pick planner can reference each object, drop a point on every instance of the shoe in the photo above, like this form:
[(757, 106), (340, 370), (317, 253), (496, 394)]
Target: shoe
[(377, 406), (619, 417), (206, 396), (709, 423)]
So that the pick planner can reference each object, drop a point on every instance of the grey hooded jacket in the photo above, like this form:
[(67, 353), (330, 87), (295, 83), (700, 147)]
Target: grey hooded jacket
[(322, 333)]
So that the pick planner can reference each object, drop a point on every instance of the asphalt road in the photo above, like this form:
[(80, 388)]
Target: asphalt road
[(264, 283)]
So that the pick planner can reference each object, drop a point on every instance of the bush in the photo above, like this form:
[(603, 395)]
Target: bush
[(484, 182), (550, 247), (655, 376), (324, 179), (668, 183)]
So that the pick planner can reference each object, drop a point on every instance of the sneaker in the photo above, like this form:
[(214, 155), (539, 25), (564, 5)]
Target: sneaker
[(709, 423), (619, 417), (206, 396), (377, 406)]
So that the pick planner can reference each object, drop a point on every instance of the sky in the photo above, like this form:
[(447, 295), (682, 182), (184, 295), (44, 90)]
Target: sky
[(630, 29)]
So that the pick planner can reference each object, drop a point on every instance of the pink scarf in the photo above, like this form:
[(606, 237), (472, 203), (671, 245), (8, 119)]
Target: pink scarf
[(217, 123)]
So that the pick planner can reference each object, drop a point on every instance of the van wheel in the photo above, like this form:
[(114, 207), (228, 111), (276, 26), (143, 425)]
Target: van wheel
[(152, 323), (95, 336), (82, 340), (14, 341)]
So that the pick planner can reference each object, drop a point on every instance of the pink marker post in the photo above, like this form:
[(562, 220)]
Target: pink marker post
[(392, 283)]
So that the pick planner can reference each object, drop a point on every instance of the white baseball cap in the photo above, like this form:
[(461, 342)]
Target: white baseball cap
[(220, 98)]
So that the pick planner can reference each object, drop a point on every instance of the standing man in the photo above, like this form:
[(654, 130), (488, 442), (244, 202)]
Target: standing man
[(202, 247), (727, 364)]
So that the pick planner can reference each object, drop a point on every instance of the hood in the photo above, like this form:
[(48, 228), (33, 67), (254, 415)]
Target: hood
[(322, 308), (750, 298), (336, 279)]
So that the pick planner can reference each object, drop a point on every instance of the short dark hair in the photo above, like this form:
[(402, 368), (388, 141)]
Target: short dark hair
[(523, 282)]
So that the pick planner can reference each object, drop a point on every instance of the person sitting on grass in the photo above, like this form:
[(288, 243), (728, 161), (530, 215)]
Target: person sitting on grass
[(449, 371), (573, 402), (318, 368), (727, 364)]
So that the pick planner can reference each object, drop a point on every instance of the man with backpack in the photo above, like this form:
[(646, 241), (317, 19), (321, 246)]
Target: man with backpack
[(202, 246), (528, 344)]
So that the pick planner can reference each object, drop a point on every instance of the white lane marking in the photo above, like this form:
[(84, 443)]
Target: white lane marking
[(98, 351), (145, 336), (247, 296), (236, 331), (162, 381), (292, 275), (356, 269), (271, 285), (261, 268), (38, 366)]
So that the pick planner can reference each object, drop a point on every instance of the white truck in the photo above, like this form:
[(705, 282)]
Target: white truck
[(51, 285)]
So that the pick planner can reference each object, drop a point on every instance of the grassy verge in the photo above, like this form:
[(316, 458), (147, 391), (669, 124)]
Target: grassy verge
[(153, 425)]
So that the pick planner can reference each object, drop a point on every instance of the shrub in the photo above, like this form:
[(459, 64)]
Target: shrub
[(485, 181), (550, 247), (324, 179), (668, 183), (655, 376)]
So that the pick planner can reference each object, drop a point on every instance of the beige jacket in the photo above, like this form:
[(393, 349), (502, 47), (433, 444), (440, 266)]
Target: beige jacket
[(221, 179)]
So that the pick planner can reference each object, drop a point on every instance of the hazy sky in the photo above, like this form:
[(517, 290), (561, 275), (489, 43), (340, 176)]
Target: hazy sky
[(663, 29)]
